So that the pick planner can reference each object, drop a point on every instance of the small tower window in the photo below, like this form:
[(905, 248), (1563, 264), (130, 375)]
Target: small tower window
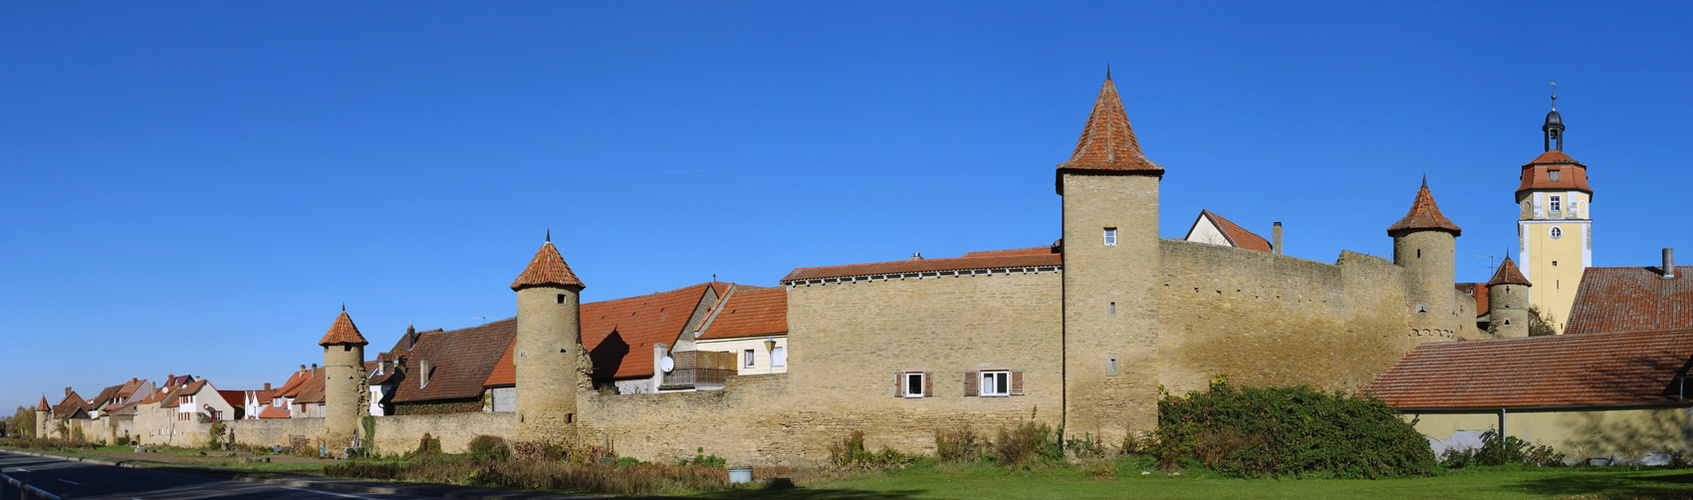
[(1110, 236), (1554, 174), (1113, 312), (560, 298), (1556, 203), (1556, 232)]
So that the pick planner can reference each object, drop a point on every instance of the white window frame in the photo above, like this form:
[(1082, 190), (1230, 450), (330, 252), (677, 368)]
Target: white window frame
[(751, 360), (1110, 236), (922, 382), (1555, 232), (1555, 203), (988, 388), (779, 356)]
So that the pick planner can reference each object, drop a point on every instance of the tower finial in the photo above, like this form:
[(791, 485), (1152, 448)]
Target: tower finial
[(549, 235), (1425, 181), (1107, 71), (1554, 95), (343, 307)]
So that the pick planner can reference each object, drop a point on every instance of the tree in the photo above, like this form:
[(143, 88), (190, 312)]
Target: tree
[(22, 422), (1538, 324)]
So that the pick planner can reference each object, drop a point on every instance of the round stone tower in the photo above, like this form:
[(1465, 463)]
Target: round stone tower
[(41, 412), (343, 372), (549, 343), (1507, 301), (1425, 245)]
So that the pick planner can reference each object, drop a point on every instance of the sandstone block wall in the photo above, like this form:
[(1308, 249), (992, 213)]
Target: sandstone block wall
[(401, 433), (270, 432)]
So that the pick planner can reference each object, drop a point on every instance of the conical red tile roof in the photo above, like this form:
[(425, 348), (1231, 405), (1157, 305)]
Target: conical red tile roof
[(43, 406), (1508, 274), (1107, 142), (1424, 215), (547, 268), (343, 332)]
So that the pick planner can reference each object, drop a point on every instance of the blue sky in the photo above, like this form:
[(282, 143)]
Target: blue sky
[(198, 187)]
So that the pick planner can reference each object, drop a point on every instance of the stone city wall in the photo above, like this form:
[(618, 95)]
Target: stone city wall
[(399, 434), (269, 432)]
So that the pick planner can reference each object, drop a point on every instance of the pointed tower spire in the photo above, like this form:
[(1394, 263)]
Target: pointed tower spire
[(1424, 215), (343, 331), (1108, 143), (549, 235), (547, 268), (43, 405), (1508, 274)]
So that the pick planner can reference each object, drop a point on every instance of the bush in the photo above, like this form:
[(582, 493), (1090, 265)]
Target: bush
[(1288, 431), (123, 441), (488, 449), (1494, 452), (959, 445), (1026, 442), (641, 480), (850, 454), (427, 446), (705, 460), (216, 435), (1085, 447)]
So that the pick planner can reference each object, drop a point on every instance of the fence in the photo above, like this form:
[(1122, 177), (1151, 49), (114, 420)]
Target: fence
[(11, 488), (701, 367)]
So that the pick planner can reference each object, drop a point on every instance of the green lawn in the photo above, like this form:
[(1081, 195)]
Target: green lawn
[(987, 482)]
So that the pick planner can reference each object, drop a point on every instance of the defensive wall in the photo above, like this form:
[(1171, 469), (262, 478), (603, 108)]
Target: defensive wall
[(268, 432)]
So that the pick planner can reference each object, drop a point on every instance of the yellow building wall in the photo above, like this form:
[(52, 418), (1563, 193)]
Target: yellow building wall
[(1554, 285), (761, 357), (1579, 435)]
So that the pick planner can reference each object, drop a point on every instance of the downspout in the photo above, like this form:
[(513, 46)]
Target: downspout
[(1502, 448)]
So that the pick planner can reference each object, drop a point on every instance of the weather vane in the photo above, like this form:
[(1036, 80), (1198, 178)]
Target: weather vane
[(1554, 95)]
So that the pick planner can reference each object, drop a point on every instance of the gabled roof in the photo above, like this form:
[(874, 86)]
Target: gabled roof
[(273, 411), (175, 397), (71, 406), (1479, 292), (547, 268), (311, 390), (1108, 143), (1237, 236), (1423, 215), (1031, 257), (1572, 175), (1556, 370), (750, 311), (296, 380), (619, 334), (236, 399), (43, 405), (505, 372), (1612, 299), (343, 332), (106, 395), (1508, 274), (459, 362)]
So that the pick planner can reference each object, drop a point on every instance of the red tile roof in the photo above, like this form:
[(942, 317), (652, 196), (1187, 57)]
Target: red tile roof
[(1572, 175), (43, 406), (343, 332), (311, 388), (1508, 274), (272, 411), (459, 362), (505, 372), (291, 387), (1237, 236), (987, 260), (1011, 252), (1107, 143), (1557, 370), (69, 406), (750, 312), (619, 334), (1612, 299), (1423, 215), (237, 399), (1477, 290), (547, 268), (175, 397)]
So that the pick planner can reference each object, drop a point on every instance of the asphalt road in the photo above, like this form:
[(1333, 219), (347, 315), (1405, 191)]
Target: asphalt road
[(84, 480)]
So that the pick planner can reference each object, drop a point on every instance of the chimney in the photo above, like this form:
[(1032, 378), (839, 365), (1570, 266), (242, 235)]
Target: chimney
[(1669, 263), (916, 256), (171, 379), (67, 391), (314, 367), (267, 386), (302, 367), (1276, 238)]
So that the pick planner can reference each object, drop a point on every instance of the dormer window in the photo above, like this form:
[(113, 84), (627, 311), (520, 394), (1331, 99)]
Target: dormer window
[(1554, 175)]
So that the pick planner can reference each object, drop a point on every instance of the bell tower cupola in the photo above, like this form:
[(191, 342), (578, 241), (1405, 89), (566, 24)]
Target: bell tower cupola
[(1554, 127)]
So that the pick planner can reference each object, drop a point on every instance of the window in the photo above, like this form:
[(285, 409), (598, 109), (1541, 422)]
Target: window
[(1554, 263), (913, 385), (1113, 312), (1555, 202), (1556, 232), (993, 383), (559, 298), (1554, 174), (747, 359), (1110, 236), (778, 357)]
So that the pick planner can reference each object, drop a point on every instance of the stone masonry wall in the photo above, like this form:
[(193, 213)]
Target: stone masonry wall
[(268, 432), (402, 433)]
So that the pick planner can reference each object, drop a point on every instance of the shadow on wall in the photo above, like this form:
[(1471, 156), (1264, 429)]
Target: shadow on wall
[(1600, 434), (608, 355)]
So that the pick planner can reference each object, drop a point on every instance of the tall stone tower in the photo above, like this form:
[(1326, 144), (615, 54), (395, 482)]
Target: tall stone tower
[(41, 413), (1554, 227), (1110, 248), (1425, 245), (343, 372), (1507, 301), (549, 343)]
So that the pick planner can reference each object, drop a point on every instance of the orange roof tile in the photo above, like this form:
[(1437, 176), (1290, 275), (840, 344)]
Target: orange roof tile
[(1107, 143), (751, 312), (619, 334), (43, 406), (459, 362), (505, 372), (1537, 174), (986, 260), (343, 332), (547, 268), (311, 390), (1557, 370), (1423, 215), (1508, 274), (1612, 299), (1011, 252), (1479, 292), (70, 406), (272, 411), (1237, 236)]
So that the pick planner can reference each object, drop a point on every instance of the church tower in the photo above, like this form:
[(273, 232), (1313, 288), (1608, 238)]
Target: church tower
[(1554, 227), (1110, 247), (343, 384), (549, 343)]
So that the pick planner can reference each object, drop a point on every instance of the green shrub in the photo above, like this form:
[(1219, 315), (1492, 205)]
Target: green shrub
[(216, 435), (1085, 447), (1027, 442), (427, 446), (959, 445), (1283, 431), (123, 441), (705, 460), (1494, 452), (489, 449), (850, 453), (627, 461)]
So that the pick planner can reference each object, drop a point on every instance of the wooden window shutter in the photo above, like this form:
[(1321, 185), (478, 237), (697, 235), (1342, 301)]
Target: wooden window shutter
[(928, 384), (971, 380), (899, 384), (1016, 382)]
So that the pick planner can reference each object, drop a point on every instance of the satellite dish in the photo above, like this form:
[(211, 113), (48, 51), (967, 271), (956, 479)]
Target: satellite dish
[(667, 364)]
